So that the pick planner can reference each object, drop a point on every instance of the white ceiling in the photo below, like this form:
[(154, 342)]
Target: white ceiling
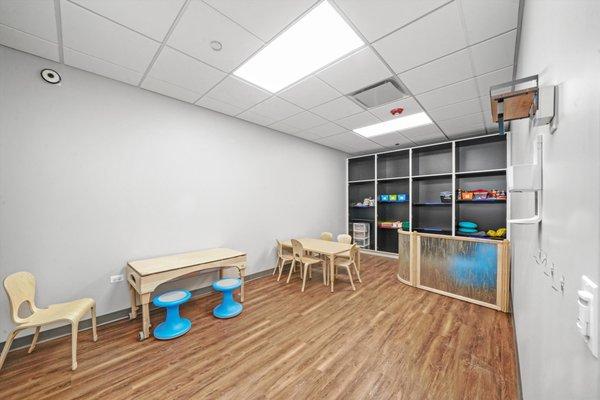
[(446, 53)]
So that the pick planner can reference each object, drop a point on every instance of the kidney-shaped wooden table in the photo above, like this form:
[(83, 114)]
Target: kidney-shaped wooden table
[(327, 248)]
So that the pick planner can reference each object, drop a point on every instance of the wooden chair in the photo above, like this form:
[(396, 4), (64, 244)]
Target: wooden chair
[(282, 258), (306, 263), (326, 236), (347, 263), (344, 238), (347, 239), (20, 288)]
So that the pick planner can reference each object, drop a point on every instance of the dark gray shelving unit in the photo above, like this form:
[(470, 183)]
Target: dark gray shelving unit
[(481, 164), (422, 173), (393, 177), (361, 185)]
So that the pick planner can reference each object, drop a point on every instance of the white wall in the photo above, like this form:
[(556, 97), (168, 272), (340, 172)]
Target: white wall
[(560, 42), (94, 173)]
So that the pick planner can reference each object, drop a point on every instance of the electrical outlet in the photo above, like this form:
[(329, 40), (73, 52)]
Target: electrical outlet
[(117, 278)]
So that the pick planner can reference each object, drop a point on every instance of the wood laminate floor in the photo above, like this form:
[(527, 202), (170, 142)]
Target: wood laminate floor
[(384, 341)]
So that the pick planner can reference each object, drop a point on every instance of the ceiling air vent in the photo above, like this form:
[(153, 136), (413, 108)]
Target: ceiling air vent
[(380, 93)]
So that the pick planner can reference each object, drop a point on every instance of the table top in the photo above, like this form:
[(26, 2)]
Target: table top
[(176, 261), (320, 246)]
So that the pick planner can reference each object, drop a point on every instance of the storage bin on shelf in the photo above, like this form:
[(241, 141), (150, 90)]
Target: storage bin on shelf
[(361, 232), (363, 243)]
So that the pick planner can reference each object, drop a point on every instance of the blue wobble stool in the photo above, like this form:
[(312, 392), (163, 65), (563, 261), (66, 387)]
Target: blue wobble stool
[(174, 326), (229, 307)]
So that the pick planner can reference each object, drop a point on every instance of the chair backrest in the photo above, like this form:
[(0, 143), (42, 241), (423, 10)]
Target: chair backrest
[(344, 238), (327, 236), (279, 248), (20, 288), (297, 249)]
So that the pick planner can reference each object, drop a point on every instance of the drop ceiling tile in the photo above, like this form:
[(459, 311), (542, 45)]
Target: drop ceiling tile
[(276, 109), (377, 18), (456, 110), (200, 24), (170, 90), (33, 17), (237, 93), (358, 120), (350, 142), (493, 78), (444, 71), (184, 71), (285, 128), (494, 54), (217, 105), (450, 94), (152, 18), (101, 67), (307, 135), (425, 134), (309, 93), (327, 129), (255, 117), (91, 34), (393, 139), (336, 109), (409, 105), (25, 42), (432, 36), (251, 14), (355, 72), (305, 120), (484, 19), (463, 126), (340, 147)]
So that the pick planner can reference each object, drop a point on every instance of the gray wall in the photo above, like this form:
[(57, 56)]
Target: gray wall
[(94, 173), (561, 42)]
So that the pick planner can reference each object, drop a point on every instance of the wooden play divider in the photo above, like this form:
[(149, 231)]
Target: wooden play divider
[(466, 268)]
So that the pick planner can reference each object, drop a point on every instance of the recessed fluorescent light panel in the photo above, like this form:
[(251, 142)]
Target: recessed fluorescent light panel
[(395, 125), (317, 39)]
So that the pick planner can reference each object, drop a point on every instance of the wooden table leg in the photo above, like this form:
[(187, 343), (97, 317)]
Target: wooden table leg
[(132, 296), (145, 300), (331, 270)]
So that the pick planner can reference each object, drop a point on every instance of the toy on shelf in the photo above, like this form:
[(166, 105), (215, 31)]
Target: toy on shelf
[(498, 233), (393, 198), (367, 202), (393, 224), (468, 228), (446, 197), (480, 195)]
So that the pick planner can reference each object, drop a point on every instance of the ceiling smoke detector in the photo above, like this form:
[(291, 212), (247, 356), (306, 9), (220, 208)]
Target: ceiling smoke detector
[(379, 94), (216, 45)]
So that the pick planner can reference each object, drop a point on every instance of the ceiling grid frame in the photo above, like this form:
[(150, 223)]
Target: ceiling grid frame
[(107, 62)]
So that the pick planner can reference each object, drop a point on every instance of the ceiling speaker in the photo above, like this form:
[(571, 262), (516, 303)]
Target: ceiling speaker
[(50, 76)]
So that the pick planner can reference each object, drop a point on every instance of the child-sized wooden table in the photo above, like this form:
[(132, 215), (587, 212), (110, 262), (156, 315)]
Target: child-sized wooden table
[(144, 276)]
